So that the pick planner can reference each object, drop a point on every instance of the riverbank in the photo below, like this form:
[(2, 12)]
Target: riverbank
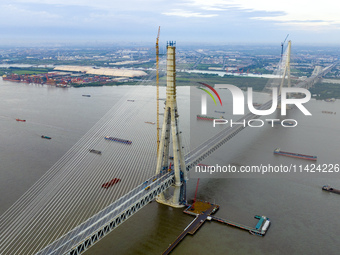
[(48, 75)]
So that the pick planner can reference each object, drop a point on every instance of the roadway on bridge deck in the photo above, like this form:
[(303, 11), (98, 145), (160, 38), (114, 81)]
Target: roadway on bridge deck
[(96, 222)]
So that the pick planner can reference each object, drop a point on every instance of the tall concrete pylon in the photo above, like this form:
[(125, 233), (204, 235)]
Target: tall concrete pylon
[(287, 69), (171, 133)]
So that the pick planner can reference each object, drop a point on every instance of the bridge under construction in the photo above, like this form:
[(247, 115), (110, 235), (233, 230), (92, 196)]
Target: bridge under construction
[(53, 216)]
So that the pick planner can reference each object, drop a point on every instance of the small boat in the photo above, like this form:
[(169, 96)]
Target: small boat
[(219, 112), (130, 100), (149, 122), (328, 112), (205, 117), (329, 189), (20, 120), (117, 139), (45, 137), (86, 95), (110, 183), (95, 151), (294, 155)]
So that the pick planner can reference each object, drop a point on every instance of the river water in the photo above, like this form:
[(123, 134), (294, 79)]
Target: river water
[(304, 218)]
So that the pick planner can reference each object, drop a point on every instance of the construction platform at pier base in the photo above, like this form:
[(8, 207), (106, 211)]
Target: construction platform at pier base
[(203, 211)]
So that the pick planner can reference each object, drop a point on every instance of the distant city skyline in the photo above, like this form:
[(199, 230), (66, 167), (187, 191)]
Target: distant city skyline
[(24, 22)]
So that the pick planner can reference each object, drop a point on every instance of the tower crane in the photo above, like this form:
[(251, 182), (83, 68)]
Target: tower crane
[(157, 85), (283, 44)]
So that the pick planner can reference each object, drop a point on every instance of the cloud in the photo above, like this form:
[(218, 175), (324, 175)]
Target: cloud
[(223, 20), (188, 14), (289, 11), (127, 5), (18, 15)]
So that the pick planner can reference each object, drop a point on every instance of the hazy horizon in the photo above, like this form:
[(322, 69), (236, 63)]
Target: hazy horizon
[(216, 22)]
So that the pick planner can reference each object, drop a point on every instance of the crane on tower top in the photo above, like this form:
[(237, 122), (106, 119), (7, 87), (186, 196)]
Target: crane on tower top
[(283, 44)]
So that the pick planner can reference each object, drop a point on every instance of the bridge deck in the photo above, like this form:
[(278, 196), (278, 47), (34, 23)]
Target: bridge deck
[(90, 230)]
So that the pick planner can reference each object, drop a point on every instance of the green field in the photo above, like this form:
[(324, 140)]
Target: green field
[(325, 90), (21, 71)]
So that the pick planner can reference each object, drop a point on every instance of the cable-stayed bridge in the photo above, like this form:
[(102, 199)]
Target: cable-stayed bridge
[(317, 74), (46, 212)]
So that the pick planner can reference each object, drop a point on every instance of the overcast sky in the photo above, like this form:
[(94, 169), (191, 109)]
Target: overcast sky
[(184, 21)]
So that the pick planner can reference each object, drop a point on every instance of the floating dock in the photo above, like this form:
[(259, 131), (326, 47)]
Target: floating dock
[(260, 228), (195, 224), (203, 211)]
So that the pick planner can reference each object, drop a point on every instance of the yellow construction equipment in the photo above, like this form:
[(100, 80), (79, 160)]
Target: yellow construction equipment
[(157, 85)]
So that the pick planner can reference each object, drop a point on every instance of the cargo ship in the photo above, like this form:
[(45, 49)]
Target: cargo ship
[(328, 112), (110, 183), (205, 117), (12, 77), (329, 189), (20, 120), (117, 140), (294, 155), (46, 137)]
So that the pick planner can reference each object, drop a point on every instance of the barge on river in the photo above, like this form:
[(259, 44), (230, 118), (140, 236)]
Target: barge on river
[(115, 139), (294, 155), (329, 189)]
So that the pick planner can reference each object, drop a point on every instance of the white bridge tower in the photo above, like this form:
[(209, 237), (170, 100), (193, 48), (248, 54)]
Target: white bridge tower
[(286, 69), (171, 133)]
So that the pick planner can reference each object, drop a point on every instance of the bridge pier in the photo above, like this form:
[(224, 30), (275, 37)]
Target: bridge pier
[(171, 133)]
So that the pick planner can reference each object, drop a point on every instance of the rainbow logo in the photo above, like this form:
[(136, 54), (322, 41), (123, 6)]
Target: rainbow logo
[(204, 97), (209, 93)]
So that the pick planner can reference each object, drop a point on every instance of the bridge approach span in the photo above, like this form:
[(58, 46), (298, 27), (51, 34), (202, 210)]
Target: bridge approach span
[(95, 228)]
